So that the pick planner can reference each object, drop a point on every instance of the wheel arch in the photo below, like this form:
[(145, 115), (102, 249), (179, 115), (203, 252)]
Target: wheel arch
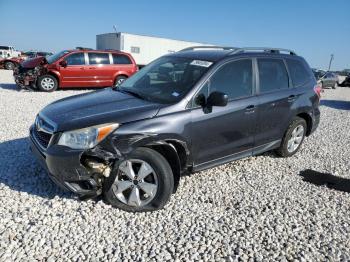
[(176, 155), (308, 119)]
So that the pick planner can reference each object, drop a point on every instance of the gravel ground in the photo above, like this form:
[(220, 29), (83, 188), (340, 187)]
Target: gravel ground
[(260, 208)]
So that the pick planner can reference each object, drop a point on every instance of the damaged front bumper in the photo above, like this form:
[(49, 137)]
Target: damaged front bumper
[(70, 169), (26, 77)]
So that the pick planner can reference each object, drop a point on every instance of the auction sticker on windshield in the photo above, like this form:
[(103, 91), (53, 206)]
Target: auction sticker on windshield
[(201, 63)]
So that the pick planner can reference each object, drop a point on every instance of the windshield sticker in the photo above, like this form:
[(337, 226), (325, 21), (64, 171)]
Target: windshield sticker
[(175, 94), (201, 63)]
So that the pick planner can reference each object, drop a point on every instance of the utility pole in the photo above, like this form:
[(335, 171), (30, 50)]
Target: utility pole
[(330, 62)]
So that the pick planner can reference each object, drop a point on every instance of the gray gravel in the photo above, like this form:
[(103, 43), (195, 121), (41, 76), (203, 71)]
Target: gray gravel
[(257, 209)]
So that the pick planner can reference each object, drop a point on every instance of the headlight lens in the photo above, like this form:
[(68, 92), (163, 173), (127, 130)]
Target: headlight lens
[(87, 137)]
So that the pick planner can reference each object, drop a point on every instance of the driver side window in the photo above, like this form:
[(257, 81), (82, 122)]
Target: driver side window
[(76, 59)]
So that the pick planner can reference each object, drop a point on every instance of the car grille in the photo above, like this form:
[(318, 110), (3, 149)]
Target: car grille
[(42, 132), (41, 137)]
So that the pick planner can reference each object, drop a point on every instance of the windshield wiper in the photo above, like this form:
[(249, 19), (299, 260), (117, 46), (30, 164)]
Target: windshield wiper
[(135, 94)]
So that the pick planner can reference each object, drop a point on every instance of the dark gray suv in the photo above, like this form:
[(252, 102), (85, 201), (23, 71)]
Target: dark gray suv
[(184, 112)]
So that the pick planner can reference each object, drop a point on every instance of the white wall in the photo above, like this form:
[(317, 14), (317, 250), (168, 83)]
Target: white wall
[(150, 47)]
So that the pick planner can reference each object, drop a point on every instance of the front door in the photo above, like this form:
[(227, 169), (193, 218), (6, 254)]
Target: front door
[(223, 132), (75, 73)]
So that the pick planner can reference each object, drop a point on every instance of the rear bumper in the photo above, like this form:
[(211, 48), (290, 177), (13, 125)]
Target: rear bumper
[(64, 168)]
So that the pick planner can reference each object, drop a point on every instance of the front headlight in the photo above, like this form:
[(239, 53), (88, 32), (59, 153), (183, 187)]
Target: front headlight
[(87, 137)]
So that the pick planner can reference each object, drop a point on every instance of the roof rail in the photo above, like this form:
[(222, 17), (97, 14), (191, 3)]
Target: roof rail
[(263, 49), (209, 47)]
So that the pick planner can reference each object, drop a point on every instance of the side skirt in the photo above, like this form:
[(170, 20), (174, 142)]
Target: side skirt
[(251, 152)]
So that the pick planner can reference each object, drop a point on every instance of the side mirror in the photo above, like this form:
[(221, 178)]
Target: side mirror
[(217, 99), (200, 100), (63, 63)]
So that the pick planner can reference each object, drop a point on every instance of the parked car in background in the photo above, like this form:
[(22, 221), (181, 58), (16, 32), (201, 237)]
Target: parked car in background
[(11, 62), (185, 112), (328, 80), (10, 51), (32, 54), (75, 68)]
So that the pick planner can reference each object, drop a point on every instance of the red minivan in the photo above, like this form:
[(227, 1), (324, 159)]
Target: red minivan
[(75, 68)]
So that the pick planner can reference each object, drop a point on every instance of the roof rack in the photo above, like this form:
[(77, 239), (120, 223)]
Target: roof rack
[(83, 48), (263, 49), (209, 47)]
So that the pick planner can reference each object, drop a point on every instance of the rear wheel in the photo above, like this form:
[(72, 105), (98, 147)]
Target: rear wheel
[(9, 65), (293, 138), (119, 80), (142, 182), (47, 83)]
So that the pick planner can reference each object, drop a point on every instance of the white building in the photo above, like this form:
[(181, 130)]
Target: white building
[(143, 48)]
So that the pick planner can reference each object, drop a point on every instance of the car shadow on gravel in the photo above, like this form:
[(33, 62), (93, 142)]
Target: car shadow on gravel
[(336, 104), (20, 171), (326, 179)]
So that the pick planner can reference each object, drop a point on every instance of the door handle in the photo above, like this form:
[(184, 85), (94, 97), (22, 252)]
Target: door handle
[(82, 68), (291, 98), (250, 109), (92, 67)]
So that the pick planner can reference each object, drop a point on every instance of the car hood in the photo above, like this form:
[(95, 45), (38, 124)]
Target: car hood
[(99, 107), (33, 62)]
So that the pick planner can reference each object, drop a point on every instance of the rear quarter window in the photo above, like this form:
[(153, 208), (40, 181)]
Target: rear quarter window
[(121, 59), (298, 72)]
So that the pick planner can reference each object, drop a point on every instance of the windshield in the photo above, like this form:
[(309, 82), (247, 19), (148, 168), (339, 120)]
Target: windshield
[(53, 58), (166, 80)]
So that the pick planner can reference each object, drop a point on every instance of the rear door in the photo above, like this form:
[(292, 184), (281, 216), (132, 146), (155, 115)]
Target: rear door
[(275, 97), (100, 69), (224, 132), (75, 73)]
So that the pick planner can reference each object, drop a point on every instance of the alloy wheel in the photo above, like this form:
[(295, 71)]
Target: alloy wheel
[(295, 139), (47, 83), (136, 183)]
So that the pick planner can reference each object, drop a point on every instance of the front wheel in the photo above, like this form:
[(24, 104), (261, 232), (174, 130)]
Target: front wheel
[(142, 182), (47, 83), (293, 138)]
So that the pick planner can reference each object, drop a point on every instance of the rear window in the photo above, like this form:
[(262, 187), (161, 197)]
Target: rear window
[(272, 75), (98, 58), (121, 60), (298, 72), (5, 47)]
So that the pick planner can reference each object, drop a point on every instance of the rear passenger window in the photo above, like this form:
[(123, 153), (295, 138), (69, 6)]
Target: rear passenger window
[(272, 75), (234, 79), (121, 60), (298, 72), (98, 58), (75, 59)]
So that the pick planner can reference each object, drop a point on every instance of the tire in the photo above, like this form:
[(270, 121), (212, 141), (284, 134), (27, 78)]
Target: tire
[(161, 178), (287, 148), (119, 80), (335, 85), (47, 83), (9, 65)]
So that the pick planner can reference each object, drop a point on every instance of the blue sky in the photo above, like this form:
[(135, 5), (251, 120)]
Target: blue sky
[(314, 29)]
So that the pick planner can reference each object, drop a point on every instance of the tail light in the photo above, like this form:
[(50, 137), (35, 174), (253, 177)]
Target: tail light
[(318, 90)]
